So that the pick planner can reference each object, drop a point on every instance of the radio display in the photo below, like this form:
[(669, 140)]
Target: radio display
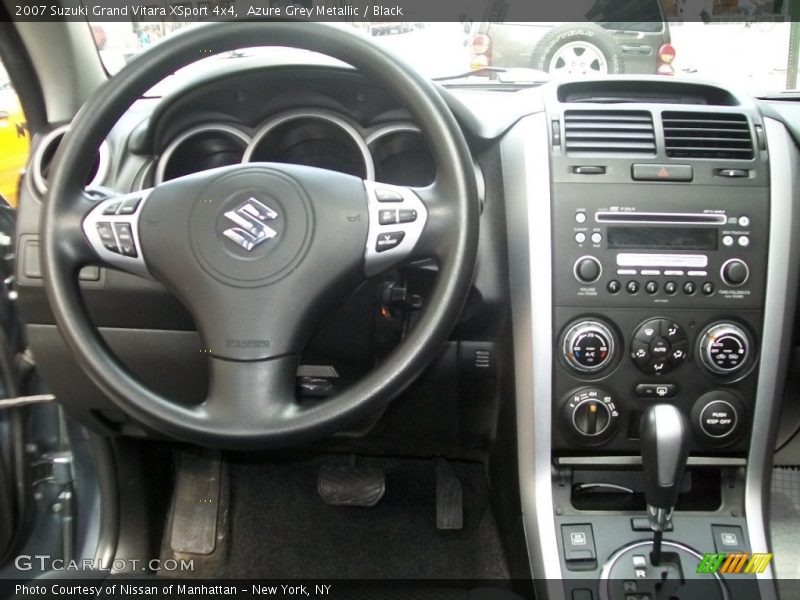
[(662, 238)]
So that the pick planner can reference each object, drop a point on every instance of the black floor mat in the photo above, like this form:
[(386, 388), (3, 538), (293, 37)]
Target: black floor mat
[(281, 528)]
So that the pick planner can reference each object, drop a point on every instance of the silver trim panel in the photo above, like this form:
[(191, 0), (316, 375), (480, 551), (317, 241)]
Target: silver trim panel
[(526, 157), (782, 275)]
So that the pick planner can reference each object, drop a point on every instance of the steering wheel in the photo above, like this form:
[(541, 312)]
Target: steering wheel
[(259, 252)]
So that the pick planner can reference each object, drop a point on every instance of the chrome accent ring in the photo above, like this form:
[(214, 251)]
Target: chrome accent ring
[(39, 182)]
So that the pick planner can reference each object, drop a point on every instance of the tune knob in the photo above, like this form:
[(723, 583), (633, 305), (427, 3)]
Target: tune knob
[(588, 346), (724, 348), (591, 414), (587, 269), (734, 272)]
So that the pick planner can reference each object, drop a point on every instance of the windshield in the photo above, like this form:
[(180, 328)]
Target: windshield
[(741, 43)]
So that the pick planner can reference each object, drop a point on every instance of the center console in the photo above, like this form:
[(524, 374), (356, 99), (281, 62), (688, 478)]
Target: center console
[(648, 258)]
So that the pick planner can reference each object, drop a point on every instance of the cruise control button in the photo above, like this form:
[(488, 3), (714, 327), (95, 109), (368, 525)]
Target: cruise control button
[(129, 206), (106, 234), (384, 195), (656, 390), (407, 215), (632, 286), (387, 241), (111, 209), (387, 217), (125, 236)]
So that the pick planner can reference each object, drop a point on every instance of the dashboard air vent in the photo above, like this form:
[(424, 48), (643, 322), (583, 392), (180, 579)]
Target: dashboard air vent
[(707, 135), (609, 132)]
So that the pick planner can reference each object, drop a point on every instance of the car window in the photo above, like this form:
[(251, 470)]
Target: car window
[(14, 139)]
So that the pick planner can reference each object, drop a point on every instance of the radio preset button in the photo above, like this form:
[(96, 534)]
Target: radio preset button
[(587, 269), (689, 288), (727, 240), (614, 286), (670, 287), (632, 286), (734, 272), (651, 287), (707, 288)]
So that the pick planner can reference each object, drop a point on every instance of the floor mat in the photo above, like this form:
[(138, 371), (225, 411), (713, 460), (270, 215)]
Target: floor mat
[(281, 528), (785, 522)]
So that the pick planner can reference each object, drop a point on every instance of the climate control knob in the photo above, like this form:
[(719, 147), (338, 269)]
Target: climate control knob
[(588, 346), (591, 414), (724, 348)]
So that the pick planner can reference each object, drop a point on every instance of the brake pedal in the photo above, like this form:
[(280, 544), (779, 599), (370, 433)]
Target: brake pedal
[(449, 497), (351, 486)]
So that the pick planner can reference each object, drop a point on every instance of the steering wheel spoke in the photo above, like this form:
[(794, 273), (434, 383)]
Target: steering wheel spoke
[(112, 230)]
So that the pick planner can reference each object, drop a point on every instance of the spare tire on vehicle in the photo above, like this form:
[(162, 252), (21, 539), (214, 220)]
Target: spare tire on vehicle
[(578, 50)]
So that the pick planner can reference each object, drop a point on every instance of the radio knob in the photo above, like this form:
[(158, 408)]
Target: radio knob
[(588, 346), (724, 348), (734, 272), (587, 269), (591, 414)]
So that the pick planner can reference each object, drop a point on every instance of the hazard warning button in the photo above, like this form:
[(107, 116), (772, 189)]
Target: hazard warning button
[(656, 172)]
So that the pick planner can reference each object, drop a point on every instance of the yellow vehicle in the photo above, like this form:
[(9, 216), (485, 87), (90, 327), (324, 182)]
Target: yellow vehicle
[(14, 141)]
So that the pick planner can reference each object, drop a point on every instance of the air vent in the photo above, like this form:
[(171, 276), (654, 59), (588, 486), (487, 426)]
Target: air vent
[(707, 135), (46, 151), (609, 132)]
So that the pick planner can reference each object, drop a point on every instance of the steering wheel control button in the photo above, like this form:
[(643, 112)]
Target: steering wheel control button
[(112, 208), (656, 390), (125, 237), (387, 241), (128, 207), (106, 233), (724, 348), (632, 287), (406, 215), (387, 217), (614, 286), (588, 346), (734, 272), (386, 195), (587, 269)]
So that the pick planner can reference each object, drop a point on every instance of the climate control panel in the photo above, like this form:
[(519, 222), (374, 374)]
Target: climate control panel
[(612, 366)]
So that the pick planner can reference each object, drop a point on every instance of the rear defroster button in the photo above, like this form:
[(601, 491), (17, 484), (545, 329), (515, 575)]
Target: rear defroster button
[(387, 241)]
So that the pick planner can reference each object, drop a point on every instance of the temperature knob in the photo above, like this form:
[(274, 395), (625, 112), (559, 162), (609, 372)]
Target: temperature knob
[(724, 348), (591, 414), (588, 346)]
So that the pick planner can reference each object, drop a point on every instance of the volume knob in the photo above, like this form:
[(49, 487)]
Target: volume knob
[(587, 269)]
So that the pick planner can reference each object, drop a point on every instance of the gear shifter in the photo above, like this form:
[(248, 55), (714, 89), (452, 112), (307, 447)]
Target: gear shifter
[(664, 437)]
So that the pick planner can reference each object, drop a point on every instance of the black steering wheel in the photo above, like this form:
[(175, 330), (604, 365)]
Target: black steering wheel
[(258, 252)]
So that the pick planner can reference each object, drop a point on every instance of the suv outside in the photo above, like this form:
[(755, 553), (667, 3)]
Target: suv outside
[(627, 36)]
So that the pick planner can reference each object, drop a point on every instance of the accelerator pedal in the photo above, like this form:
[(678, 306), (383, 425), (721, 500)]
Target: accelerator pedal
[(449, 497), (351, 486)]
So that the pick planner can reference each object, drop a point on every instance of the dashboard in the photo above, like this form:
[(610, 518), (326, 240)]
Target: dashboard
[(631, 252)]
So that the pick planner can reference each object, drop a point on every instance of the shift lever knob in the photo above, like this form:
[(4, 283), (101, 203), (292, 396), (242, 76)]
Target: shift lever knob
[(664, 436)]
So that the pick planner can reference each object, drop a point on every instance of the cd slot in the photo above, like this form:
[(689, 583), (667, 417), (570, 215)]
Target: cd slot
[(662, 218)]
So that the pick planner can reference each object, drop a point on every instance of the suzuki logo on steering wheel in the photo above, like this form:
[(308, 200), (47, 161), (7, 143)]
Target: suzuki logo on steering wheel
[(251, 219)]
